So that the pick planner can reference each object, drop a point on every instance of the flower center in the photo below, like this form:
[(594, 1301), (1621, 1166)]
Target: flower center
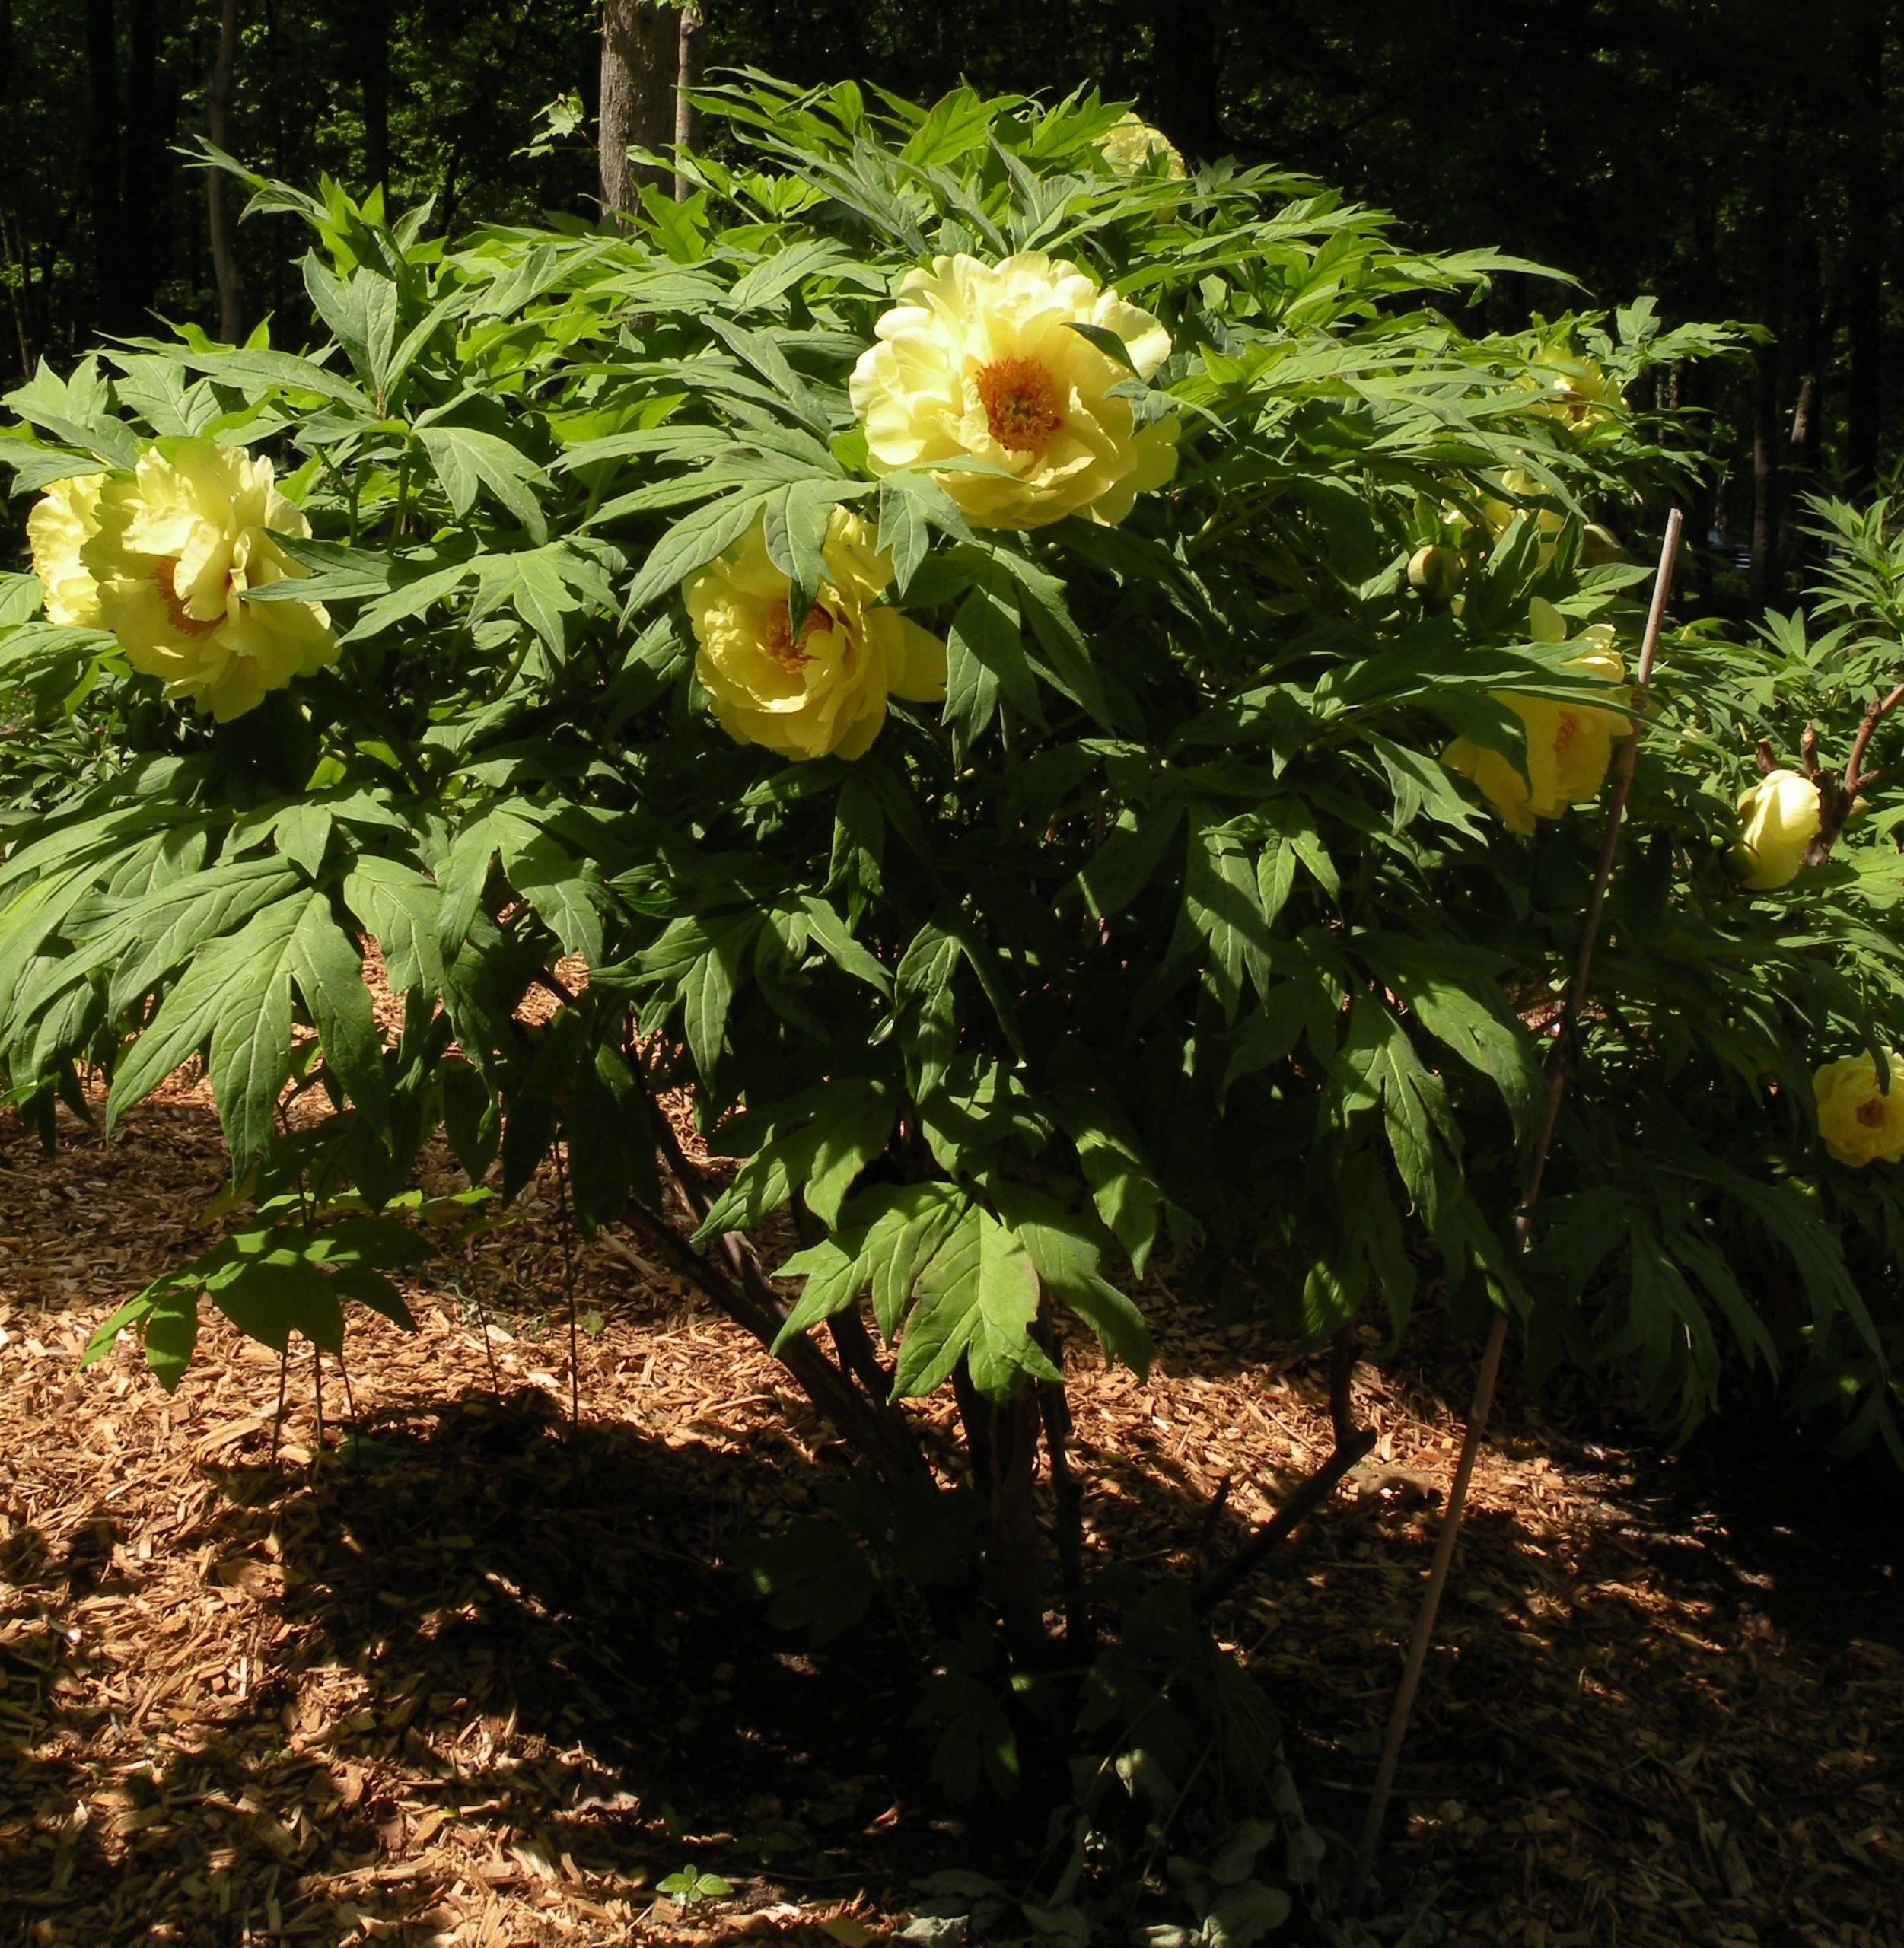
[(1871, 1112), (1020, 404), (779, 642), (1566, 731), (164, 576)]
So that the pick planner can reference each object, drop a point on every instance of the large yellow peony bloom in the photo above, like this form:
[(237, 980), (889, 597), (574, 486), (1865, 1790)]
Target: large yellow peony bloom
[(825, 693), (58, 528), (1131, 144), (979, 361), (1859, 1123), (165, 557), (1778, 818), (1569, 745)]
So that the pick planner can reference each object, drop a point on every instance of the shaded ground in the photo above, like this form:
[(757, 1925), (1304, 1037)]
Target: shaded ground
[(476, 1677)]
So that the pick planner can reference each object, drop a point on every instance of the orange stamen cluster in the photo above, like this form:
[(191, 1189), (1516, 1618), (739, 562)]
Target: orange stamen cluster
[(1871, 1112), (1020, 404), (165, 576), (779, 643)]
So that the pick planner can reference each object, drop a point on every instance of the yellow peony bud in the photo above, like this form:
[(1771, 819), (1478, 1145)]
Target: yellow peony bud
[(823, 693), (1859, 1122), (1778, 818), (1132, 144), (1601, 547), (1574, 389), (1436, 572), (58, 528), (1570, 747), (979, 361), (1523, 486), (165, 557)]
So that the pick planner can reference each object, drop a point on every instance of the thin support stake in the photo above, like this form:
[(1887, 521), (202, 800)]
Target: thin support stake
[(1483, 1404), (568, 1289), (278, 1419)]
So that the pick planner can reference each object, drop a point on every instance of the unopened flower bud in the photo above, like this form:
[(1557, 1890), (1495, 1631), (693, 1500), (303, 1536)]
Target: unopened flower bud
[(1435, 572), (1778, 818)]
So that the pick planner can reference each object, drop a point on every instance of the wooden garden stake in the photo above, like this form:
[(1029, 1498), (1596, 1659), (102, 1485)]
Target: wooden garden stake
[(1483, 1401)]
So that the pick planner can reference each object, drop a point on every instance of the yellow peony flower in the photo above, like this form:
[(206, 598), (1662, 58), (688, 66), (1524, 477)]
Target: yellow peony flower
[(1569, 745), (58, 528), (164, 557), (824, 694), (979, 361), (1860, 1123), (1131, 144), (1574, 389), (1778, 818)]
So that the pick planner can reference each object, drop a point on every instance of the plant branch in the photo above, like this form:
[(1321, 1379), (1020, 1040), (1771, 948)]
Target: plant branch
[(1353, 1444)]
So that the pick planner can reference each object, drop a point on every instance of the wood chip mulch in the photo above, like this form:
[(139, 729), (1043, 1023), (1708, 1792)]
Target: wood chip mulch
[(445, 1668)]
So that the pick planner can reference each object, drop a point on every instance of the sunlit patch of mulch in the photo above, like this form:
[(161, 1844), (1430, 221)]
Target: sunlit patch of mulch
[(465, 1674)]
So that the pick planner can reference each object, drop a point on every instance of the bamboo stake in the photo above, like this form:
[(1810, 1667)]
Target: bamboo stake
[(1483, 1401)]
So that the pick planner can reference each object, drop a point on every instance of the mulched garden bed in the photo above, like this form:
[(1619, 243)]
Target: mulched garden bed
[(453, 1670)]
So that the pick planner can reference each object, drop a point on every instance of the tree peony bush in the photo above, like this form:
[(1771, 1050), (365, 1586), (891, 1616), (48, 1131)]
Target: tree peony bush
[(1062, 703)]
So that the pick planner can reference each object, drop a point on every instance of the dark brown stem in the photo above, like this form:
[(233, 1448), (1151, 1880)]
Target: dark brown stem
[(1836, 798), (1352, 1444), (1303, 1502), (1014, 1528), (1342, 1359), (1483, 1404), (974, 1415), (1068, 1497), (1881, 708)]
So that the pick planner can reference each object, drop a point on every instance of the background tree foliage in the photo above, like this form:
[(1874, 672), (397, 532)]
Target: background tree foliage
[(1738, 157)]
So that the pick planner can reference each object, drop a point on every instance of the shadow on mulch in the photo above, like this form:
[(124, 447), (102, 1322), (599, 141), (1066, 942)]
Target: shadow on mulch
[(1648, 1666)]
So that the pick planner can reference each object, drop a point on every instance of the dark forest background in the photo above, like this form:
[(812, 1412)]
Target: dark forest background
[(1735, 157)]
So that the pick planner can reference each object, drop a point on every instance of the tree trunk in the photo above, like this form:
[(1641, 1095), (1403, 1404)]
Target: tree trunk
[(102, 157), (1869, 242), (1184, 73), (687, 77), (146, 161), (372, 32), (1765, 481), (1767, 420), (224, 257), (640, 63)]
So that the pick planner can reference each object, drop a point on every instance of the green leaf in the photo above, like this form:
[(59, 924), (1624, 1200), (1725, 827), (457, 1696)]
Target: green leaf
[(985, 658), (566, 892), (403, 912), (1222, 905), (815, 1577), (171, 1333), (1413, 1099), (238, 993), (280, 1292), (927, 1006), (465, 460), (977, 1300), (330, 977), (1125, 1192), (691, 543), (796, 521), (816, 1147), (1065, 1250), (302, 834)]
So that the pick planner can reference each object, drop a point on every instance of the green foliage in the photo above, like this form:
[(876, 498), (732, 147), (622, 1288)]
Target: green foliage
[(1168, 938)]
